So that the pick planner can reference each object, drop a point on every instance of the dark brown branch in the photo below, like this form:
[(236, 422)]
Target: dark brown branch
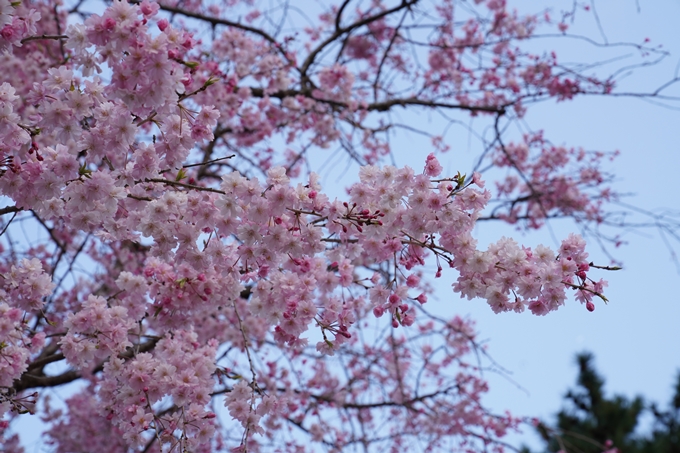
[(29, 381), (208, 162), (338, 17), (40, 363), (186, 186), (384, 105), (343, 30), (406, 403), (37, 378), (135, 197), (218, 21), (8, 223), (385, 55), (209, 149), (62, 49), (9, 210), (214, 21), (35, 38)]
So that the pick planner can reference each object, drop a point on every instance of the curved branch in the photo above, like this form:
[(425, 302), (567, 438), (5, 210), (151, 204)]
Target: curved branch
[(38, 378), (343, 30), (217, 21)]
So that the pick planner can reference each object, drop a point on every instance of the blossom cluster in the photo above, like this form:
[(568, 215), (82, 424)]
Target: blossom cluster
[(95, 332), (17, 22), (26, 285), (14, 136), (178, 367), (554, 180), (22, 289), (84, 426)]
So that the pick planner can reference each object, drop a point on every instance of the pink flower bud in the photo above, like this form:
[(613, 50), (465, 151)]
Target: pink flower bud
[(146, 8), (7, 32), (412, 281), (163, 24), (263, 271), (109, 23)]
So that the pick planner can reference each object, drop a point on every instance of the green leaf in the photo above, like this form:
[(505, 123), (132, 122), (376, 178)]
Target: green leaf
[(84, 171)]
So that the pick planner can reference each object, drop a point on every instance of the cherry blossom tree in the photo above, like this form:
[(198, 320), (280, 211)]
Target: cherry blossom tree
[(181, 256)]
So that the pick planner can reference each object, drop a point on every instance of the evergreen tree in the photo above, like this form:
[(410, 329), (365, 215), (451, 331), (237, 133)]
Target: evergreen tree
[(665, 436), (590, 422)]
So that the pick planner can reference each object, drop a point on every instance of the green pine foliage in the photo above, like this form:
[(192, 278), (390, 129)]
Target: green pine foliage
[(592, 423)]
